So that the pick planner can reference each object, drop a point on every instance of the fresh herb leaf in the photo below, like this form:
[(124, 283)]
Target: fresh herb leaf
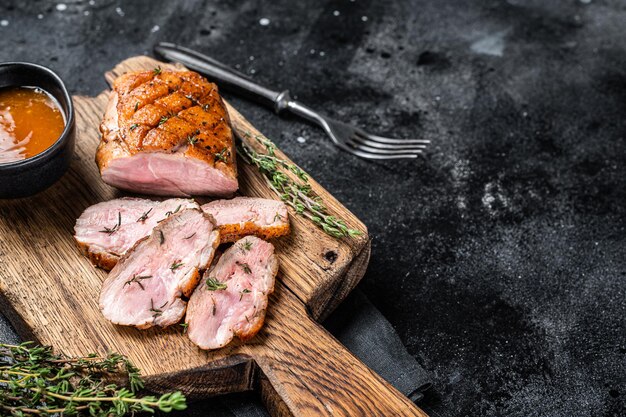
[(245, 267), (223, 156), (242, 292), (163, 120), (144, 216), (169, 213), (137, 278), (192, 139), (176, 265), (111, 230), (246, 245), (296, 193), (36, 381), (185, 326), (213, 284), (156, 312), (157, 71), (134, 126)]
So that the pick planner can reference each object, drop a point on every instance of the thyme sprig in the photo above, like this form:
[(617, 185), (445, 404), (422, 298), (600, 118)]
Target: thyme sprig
[(295, 192), (137, 278), (34, 381), (175, 265), (242, 292), (222, 156), (246, 245), (212, 284), (244, 266), (111, 230), (144, 216)]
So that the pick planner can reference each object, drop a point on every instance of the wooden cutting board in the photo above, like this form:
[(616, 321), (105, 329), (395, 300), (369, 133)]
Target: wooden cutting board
[(50, 294)]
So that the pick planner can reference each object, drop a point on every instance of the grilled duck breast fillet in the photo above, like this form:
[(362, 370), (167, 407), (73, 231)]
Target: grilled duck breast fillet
[(232, 297), (167, 133), (103, 241), (145, 288), (243, 216), (107, 230)]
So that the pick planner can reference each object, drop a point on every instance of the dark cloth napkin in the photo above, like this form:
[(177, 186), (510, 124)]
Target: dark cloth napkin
[(367, 334)]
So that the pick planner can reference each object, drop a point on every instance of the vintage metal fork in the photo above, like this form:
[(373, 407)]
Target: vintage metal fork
[(347, 137)]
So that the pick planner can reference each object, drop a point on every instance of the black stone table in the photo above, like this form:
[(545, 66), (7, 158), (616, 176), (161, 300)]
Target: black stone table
[(500, 258)]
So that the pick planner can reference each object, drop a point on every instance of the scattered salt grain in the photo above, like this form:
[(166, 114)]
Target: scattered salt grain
[(322, 53), (336, 13), (39, 16), (4, 22), (264, 21), (92, 2), (86, 13), (300, 139), (251, 58), (155, 29), (61, 7), (252, 70), (119, 11), (364, 18)]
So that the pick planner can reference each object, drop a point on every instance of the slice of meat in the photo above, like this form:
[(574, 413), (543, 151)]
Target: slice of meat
[(232, 298), (103, 241), (145, 287), (243, 216), (167, 133), (107, 230)]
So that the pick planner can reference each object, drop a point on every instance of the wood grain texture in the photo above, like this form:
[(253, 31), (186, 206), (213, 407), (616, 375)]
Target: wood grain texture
[(50, 292)]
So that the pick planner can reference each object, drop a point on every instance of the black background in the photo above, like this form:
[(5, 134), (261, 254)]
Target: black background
[(500, 257)]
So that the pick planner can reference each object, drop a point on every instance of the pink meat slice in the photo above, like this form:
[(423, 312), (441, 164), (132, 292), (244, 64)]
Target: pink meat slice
[(103, 242), (243, 216), (232, 298), (107, 230), (145, 288)]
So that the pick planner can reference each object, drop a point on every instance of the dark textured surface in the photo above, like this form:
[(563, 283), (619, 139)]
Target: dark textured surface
[(500, 259)]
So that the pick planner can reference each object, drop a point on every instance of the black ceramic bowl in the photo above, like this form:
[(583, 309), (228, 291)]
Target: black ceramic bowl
[(32, 175)]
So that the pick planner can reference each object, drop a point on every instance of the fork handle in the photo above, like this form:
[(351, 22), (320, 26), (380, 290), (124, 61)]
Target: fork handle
[(228, 78)]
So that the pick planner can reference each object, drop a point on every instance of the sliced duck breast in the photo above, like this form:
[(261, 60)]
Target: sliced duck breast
[(232, 297), (167, 133), (145, 288), (243, 216), (106, 231)]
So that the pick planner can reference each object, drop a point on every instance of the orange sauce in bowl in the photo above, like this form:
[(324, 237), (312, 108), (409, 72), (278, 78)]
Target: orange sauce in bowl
[(30, 122)]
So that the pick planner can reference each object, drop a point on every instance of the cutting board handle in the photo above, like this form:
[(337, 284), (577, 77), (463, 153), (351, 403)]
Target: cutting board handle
[(307, 372)]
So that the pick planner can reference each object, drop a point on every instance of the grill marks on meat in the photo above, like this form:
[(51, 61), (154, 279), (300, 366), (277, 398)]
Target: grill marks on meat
[(145, 288), (232, 298), (167, 133), (106, 231), (243, 216)]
